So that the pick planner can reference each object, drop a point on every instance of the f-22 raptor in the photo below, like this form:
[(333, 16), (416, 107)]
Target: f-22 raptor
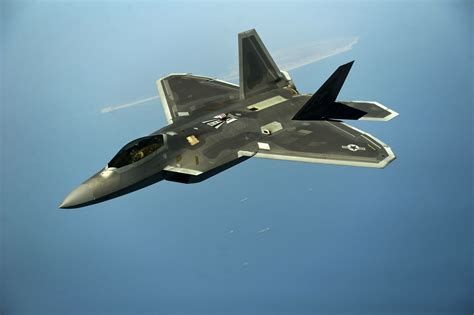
[(214, 125)]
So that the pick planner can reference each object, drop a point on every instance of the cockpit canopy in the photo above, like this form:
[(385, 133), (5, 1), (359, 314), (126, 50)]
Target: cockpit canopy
[(137, 150)]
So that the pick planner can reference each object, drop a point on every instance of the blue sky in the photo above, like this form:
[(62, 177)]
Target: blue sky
[(341, 239)]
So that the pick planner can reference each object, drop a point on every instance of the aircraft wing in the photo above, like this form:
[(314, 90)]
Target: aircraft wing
[(325, 141), (183, 95)]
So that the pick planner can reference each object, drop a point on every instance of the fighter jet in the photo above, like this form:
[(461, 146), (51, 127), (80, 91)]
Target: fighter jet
[(214, 125)]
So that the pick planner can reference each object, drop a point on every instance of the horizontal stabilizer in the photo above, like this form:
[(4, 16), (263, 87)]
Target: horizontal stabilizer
[(369, 110), (319, 105)]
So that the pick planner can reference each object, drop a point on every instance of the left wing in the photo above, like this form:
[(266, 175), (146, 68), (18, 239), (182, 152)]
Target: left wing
[(183, 95), (325, 141)]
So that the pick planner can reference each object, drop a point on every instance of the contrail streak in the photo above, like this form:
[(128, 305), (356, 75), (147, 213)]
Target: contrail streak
[(298, 56), (290, 58), (112, 108)]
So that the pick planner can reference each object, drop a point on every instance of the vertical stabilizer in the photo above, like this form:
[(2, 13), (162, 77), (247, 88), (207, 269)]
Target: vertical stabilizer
[(319, 105), (258, 71)]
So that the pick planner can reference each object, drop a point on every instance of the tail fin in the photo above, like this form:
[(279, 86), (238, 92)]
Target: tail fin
[(318, 106), (258, 71)]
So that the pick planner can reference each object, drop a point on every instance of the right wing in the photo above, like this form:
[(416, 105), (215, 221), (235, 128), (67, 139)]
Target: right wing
[(325, 141), (183, 95)]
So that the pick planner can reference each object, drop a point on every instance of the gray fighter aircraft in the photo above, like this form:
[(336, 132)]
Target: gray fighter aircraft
[(214, 125)]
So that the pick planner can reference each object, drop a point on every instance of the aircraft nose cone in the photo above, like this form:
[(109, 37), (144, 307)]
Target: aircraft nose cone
[(79, 196)]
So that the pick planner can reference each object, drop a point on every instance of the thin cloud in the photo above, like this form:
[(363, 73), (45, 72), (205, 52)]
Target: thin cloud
[(294, 57), (290, 58), (112, 108), (306, 54), (263, 230)]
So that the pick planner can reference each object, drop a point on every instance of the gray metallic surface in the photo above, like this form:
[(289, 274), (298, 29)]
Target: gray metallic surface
[(214, 125), (258, 72), (374, 110)]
